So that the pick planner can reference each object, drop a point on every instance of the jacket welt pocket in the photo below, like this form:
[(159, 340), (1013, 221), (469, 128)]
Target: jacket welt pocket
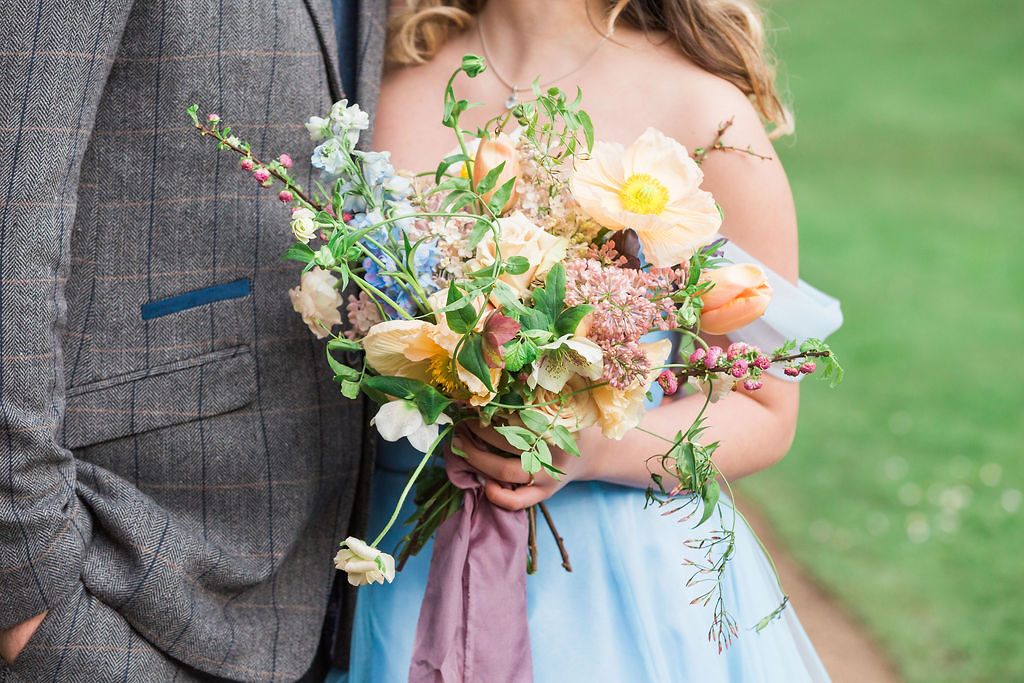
[(160, 396)]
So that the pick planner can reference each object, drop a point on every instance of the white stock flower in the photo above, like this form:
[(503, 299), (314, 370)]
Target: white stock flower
[(303, 225), (318, 128), (347, 121), (563, 358), (363, 564), (402, 419)]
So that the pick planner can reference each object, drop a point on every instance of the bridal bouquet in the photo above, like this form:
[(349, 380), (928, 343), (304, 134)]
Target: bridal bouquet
[(514, 285)]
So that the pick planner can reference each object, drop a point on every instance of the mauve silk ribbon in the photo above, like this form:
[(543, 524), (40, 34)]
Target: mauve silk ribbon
[(473, 624)]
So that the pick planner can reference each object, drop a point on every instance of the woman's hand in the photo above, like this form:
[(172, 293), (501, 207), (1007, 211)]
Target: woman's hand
[(505, 483)]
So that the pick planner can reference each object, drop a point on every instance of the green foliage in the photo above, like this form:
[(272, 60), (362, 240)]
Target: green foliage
[(893, 492), (299, 252), (430, 401), (471, 357)]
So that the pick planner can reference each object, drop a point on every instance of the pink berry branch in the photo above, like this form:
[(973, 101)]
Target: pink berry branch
[(744, 362), (260, 171)]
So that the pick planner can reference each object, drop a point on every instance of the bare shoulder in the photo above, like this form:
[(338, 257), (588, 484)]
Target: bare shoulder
[(752, 188)]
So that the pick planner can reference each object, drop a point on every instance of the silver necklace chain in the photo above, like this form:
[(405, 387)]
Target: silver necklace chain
[(513, 98)]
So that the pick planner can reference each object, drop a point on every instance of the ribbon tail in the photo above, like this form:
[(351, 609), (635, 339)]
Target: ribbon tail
[(473, 623)]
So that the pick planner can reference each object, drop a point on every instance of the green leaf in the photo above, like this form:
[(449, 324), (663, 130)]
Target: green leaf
[(462, 318), (519, 354), (447, 163), (570, 318), (344, 344), (480, 229), (430, 401), (341, 371), (471, 357), (517, 437), (299, 252), (710, 498), (516, 265), (508, 298), (350, 389), (535, 421), (500, 198), (564, 439), (488, 181), (193, 113)]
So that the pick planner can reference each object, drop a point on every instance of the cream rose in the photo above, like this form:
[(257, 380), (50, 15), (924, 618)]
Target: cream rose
[(520, 237), (622, 410), (579, 410), (364, 564), (318, 301), (303, 225)]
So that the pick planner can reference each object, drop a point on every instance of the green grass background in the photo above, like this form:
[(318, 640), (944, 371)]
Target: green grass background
[(902, 492)]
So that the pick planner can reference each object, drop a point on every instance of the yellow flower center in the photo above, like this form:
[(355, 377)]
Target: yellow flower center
[(643, 194), (442, 372)]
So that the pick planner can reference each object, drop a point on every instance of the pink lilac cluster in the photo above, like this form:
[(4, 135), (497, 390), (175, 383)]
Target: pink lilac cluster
[(742, 363), (362, 314), (627, 305)]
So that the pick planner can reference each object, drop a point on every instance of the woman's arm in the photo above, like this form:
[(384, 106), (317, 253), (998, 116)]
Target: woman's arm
[(755, 428)]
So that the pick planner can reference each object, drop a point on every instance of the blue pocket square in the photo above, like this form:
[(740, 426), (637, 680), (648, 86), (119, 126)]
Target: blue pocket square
[(199, 297)]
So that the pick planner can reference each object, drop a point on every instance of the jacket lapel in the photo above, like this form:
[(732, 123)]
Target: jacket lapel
[(373, 17), (323, 21)]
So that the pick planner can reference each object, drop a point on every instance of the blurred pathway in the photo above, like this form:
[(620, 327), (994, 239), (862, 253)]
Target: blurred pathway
[(849, 652)]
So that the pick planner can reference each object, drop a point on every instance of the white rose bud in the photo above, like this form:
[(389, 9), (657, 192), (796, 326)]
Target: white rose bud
[(318, 301), (364, 564), (303, 225)]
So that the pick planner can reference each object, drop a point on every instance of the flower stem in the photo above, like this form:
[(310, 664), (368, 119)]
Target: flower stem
[(409, 484)]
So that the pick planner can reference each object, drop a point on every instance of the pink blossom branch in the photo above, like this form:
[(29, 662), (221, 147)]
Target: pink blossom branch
[(284, 178), (700, 369)]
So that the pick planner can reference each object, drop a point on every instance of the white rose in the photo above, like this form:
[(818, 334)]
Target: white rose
[(364, 564), (318, 301), (303, 225)]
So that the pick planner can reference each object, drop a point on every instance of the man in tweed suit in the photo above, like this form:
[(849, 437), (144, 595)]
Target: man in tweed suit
[(176, 468)]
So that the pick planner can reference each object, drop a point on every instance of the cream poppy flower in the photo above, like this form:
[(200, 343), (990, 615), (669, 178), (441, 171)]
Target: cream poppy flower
[(420, 350), (652, 186), (364, 564), (622, 410)]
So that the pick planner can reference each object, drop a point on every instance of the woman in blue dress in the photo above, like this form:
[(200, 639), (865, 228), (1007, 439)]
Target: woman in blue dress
[(623, 613)]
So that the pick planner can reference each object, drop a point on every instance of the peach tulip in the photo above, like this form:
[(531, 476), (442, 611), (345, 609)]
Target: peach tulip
[(489, 155), (740, 296)]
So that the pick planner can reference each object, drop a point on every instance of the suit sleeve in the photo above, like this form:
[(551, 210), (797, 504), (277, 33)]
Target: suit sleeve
[(55, 57)]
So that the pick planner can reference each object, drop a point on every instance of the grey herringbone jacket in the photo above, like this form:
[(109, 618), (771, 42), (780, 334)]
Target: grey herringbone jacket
[(176, 468)]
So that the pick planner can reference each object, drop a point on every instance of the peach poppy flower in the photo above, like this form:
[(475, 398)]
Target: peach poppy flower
[(740, 296), (653, 187), (420, 350)]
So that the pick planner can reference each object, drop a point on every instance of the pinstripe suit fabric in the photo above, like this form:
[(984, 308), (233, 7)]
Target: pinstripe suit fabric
[(171, 488)]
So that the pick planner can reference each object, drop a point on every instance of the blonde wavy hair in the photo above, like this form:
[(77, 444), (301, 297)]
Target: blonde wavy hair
[(723, 37)]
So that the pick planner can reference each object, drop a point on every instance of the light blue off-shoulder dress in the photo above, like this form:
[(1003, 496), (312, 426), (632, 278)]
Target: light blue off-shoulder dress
[(624, 613)]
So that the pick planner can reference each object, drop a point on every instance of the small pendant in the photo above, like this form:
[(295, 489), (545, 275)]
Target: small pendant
[(512, 100)]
